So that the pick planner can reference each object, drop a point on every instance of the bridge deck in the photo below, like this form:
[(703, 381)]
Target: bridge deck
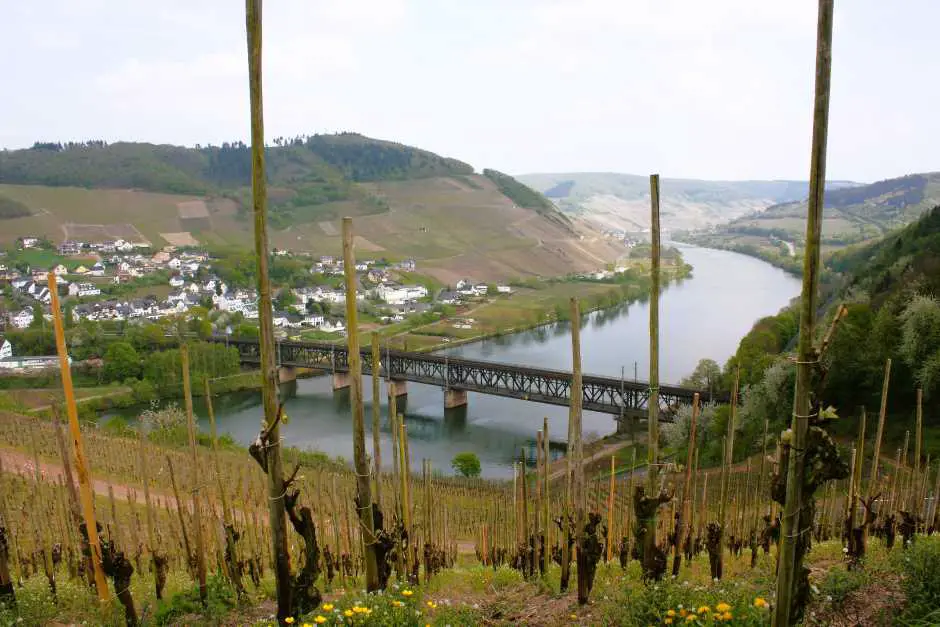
[(542, 385)]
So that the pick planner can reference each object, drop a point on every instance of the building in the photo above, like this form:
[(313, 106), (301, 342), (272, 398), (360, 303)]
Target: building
[(9, 362), (29, 242), (22, 319), (398, 294), (84, 289)]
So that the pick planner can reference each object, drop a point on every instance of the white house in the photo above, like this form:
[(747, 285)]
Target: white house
[(97, 269), (503, 289), (6, 350), (333, 326), (176, 281), (29, 242), (313, 320), (174, 263), (84, 289), (22, 319), (399, 294), (60, 270)]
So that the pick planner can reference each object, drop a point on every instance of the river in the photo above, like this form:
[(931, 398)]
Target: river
[(703, 316)]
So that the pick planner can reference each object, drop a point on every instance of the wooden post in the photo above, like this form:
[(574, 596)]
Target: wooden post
[(180, 514), (610, 509), (789, 562), (652, 456), (547, 502), (876, 453), (81, 464), (405, 496), (363, 487), (686, 512), (269, 391), (376, 418), (197, 477)]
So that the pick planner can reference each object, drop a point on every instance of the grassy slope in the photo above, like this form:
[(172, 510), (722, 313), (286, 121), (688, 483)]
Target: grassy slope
[(410, 203)]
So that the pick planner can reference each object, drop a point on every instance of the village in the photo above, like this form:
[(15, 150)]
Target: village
[(88, 273)]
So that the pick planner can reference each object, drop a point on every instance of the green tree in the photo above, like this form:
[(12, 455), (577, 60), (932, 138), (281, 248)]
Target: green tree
[(38, 321), (69, 314), (466, 464), (121, 362), (706, 376)]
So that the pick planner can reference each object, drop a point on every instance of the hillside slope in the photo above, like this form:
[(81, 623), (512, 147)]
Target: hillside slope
[(621, 201), (408, 203), (850, 216)]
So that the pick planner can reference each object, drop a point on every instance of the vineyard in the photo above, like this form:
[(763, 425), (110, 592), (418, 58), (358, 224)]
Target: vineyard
[(159, 524)]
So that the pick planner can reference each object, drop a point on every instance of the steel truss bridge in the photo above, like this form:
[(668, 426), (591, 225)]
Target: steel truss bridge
[(610, 395)]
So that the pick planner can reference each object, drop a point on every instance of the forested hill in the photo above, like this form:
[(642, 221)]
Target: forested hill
[(891, 290), (323, 161)]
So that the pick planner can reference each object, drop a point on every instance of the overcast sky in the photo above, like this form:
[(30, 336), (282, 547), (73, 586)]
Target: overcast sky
[(687, 88)]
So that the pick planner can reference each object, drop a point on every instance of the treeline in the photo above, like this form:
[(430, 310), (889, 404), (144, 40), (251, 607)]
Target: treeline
[(310, 170), (526, 197)]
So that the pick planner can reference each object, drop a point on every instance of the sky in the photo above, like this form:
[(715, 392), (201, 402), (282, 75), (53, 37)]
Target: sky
[(717, 89)]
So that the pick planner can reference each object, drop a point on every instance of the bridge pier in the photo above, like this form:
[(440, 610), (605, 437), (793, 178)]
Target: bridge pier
[(286, 374), (454, 397), (341, 381), (397, 388)]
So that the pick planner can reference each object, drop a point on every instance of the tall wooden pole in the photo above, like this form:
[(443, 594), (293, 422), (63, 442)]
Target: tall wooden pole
[(610, 509), (547, 501), (686, 511), (269, 380), (363, 489), (876, 452), (81, 463), (197, 476), (652, 456), (788, 562), (376, 418)]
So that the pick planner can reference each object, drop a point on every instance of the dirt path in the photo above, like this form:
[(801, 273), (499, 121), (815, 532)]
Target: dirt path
[(22, 464)]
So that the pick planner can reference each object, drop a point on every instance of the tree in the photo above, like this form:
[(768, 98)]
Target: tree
[(706, 376), (312, 307), (121, 362), (466, 464), (69, 314)]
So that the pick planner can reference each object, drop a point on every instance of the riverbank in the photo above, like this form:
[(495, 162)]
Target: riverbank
[(780, 254)]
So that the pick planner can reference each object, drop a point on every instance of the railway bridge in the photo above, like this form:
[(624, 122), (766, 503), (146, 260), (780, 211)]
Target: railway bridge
[(457, 376)]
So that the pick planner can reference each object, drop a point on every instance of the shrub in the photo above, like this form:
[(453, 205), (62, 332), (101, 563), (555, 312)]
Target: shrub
[(920, 566)]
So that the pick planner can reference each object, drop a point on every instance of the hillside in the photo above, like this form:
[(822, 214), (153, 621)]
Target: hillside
[(409, 203), (851, 215), (621, 201)]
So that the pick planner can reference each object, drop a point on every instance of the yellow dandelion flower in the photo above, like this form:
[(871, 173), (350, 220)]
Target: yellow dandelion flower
[(398, 604), (726, 615), (704, 609), (722, 607), (348, 613), (760, 602), (671, 613), (407, 593), (683, 612), (327, 607), (667, 621), (307, 625), (289, 620), (574, 617), (319, 620), (690, 618), (360, 610)]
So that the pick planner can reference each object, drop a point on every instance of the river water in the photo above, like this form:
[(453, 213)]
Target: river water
[(703, 316)]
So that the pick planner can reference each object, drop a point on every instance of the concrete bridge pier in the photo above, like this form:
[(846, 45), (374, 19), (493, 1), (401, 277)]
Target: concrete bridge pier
[(341, 381), (454, 397), (286, 374), (397, 388)]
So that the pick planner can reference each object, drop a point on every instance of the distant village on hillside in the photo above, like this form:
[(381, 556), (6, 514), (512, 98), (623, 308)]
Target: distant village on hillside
[(85, 270)]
